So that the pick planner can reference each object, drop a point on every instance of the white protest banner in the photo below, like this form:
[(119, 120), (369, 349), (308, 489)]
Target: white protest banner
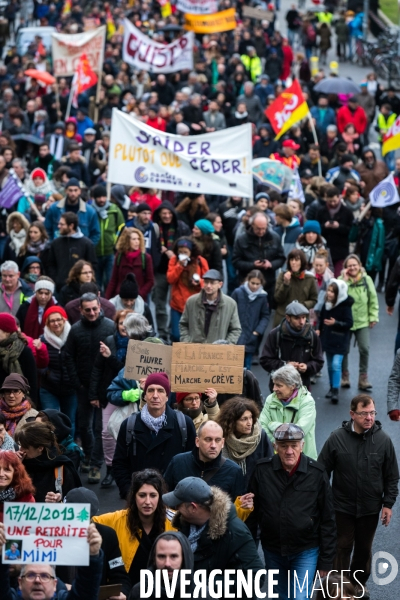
[(142, 52), (44, 533), (385, 193), (67, 50), (212, 163), (198, 7)]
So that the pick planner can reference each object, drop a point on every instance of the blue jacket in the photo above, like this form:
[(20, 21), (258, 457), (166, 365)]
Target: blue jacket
[(88, 221), (253, 316), (323, 118), (118, 385), (289, 234), (82, 125)]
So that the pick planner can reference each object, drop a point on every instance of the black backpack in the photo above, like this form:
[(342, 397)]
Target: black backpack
[(131, 437)]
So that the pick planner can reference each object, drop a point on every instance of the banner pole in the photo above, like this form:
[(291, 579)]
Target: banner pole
[(70, 100), (364, 212), (315, 141), (99, 80)]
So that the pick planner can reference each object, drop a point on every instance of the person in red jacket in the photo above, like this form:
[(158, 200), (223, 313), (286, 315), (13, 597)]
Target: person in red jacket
[(131, 257), (353, 113), (154, 120), (287, 155), (288, 57)]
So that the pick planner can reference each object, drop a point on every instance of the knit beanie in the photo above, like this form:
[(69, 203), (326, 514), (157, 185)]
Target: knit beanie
[(99, 191), (38, 173), (142, 207), (312, 227), (204, 226), (44, 284), (180, 396), (158, 379), (129, 288), (8, 324), (52, 310), (73, 182)]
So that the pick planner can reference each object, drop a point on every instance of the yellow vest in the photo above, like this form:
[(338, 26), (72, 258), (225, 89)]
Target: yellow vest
[(325, 17), (252, 65)]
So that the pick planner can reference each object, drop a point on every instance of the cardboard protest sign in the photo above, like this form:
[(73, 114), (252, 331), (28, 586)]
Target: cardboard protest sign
[(67, 49), (143, 358), (257, 13), (211, 163), (45, 533), (216, 23), (196, 367), (142, 52)]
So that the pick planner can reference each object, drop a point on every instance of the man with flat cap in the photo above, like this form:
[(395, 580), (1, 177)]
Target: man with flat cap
[(210, 315), (218, 538), (293, 507), (294, 342)]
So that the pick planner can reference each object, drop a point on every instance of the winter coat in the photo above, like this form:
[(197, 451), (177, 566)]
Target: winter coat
[(393, 284), (358, 118), (342, 31), (224, 324), (305, 348), (337, 239), (9, 252), (253, 316), (310, 250), (179, 278), (229, 213), (179, 226), (104, 371), (325, 35), (88, 221), (28, 367), (294, 513), (141, 266), (152, 452), (372, 177), (82, 346), (393, 392), (323, 118), (366, 306), (228, 477), (300, 411), (289, 234), (249, 248), (64, 252), (108, 230), (55, 377), (263, 450), (151, 235), (365, 469), (42, 472), (335, 339), (73, 311), (303, 290), (225, 542), (69, 292)]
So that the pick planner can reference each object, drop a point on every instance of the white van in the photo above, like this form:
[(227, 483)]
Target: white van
[(27, 35)]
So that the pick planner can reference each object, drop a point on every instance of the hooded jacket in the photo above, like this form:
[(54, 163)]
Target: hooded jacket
[(371, 177), (62, 424), (249, 248), (225, 542), (365, 308), (179, 226), (335, 339), (289, 234), (12, 249), (88, 221), (365, 469)]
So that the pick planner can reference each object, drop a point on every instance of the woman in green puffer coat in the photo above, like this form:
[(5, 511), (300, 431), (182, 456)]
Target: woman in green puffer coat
[(365, 316)]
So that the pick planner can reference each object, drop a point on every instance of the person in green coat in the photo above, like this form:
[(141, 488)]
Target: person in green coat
[(365, 316), (291, 402)]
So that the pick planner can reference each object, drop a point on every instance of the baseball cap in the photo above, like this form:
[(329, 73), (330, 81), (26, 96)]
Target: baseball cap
[(90, 131), (288, 431), (190, 489), (290, 144), (296, 309), (213, 274)]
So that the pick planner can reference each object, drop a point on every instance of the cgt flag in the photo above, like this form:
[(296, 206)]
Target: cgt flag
[(385, 193), (391, 139), (287, 110), (84, 79)]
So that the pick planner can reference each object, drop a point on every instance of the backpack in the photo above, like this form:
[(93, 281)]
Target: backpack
[(311, 33), (131, 437)]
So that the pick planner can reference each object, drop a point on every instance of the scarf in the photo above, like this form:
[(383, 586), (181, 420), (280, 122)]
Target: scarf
[(167, 236), (8, 494), (41, 190), (153, 423), (356, 206), (102, 210), (253, 295), (14, 414), (299, 274), (334, 211), (33, 325), (122, 346), (17, 240), (131, 255), (319, 278), (288, 400), (55, 340), (349, 139), (328, 305), (240, 448), (194, 535), (8, 444), (37, 247), (241, 116), (10, 350), (293, 331)]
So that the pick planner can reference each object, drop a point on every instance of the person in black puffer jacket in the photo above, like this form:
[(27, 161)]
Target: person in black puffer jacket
[(81, 349), (62, 430)]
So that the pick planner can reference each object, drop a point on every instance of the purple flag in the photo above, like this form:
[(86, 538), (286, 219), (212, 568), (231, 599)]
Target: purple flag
[(11, 193)]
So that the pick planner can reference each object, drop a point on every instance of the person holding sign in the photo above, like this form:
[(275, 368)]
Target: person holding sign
[(192, 405), (39, 581), (15, 483)]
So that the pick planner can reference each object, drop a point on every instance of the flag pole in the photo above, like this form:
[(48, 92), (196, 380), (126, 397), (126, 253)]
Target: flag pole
[(70, 100), (99, 80), (315, 141)]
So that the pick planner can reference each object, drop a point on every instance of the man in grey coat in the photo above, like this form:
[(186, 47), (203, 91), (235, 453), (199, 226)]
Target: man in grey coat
[(210, 315), (213, 118)]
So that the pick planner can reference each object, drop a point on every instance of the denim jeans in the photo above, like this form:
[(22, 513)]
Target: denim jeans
[(104, 270), (65, 404), (90, 426), (303, 563), (248, 357), (175, 319), (334, 369)]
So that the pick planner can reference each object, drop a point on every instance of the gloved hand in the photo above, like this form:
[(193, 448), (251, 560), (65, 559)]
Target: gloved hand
[(394, 415), (131, 395)]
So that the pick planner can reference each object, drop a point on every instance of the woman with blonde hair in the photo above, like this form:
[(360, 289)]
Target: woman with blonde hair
[(131, 257)]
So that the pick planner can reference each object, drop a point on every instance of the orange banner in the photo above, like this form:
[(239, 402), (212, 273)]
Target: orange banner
[(287, 110), (216, 23)]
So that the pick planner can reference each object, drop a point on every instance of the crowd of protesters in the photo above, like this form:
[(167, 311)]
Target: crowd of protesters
[(206, 476)]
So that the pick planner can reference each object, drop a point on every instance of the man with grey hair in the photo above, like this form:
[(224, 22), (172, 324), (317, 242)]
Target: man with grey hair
[(19, 167), (252, 102), (81, 349), (294, 342), (13, 290), (293, 507)]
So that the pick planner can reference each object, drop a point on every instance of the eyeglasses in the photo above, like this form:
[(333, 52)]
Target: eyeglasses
[(91, 310), (373, 413), (54, 321), (44, 577), (12, 392), (195, 399)]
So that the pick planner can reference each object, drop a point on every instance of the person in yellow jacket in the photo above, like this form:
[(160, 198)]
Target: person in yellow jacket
[(252, 63), (384, 121), (324, 16), (138, 526)]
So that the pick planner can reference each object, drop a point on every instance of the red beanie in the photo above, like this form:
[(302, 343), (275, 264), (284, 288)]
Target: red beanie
[(158, 379), (55, 309), (38, 173), (8, 324), (180, 396)]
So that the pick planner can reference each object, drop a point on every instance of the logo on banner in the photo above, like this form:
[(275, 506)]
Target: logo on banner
[(140, 175), (384, 192)]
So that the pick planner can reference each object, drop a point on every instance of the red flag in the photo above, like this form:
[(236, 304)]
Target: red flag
[(84, 78), (287, 110)]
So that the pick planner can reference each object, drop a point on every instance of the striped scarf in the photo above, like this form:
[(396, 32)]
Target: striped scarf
[(167, 236)]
